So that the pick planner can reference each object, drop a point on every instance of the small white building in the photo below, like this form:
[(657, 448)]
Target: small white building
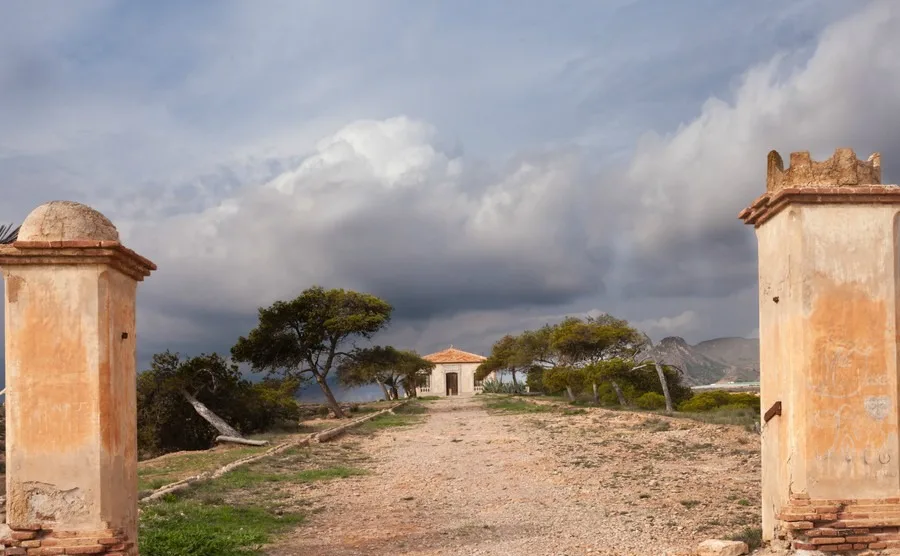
[(453, 374)]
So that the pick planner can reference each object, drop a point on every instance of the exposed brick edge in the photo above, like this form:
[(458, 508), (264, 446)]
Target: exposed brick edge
[(315, 437), (768, 205), (840, 526), (112, 253), (39, 541)]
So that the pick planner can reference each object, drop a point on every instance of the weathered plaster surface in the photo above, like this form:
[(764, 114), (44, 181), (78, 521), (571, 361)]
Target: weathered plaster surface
[(71, 406), (828, 285), (52, 390)]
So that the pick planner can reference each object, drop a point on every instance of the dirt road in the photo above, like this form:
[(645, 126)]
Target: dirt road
[(471, 482)]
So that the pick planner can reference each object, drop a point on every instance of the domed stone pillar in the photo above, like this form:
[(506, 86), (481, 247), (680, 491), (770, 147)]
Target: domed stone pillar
[(71, 433), (828, 315)]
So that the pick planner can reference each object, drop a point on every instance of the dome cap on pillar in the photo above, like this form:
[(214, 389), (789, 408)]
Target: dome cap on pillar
[(69, 233), (66, 221)]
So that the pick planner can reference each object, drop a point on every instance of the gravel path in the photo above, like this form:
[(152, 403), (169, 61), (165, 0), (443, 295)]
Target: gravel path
[(468, 482)]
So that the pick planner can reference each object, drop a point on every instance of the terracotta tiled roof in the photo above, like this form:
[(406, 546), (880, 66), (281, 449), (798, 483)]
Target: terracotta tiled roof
[(453, 355)]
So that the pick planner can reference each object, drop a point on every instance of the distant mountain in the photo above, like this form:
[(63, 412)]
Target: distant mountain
[(717, 360)]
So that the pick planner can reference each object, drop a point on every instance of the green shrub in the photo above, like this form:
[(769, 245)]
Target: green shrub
[(650, 400), (166, 422), (535, 379), (750, 535), (607, 396), (636, 383), (719, 399), (497, 387), (559, 379)]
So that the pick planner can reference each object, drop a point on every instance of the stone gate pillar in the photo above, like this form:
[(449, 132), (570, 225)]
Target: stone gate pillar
[(828, 309), (71, 439)]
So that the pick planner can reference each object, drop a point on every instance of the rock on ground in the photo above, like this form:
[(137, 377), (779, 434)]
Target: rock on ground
[(715, 547)]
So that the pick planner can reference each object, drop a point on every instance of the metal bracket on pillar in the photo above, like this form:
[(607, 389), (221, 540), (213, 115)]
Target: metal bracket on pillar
[(772, 412)]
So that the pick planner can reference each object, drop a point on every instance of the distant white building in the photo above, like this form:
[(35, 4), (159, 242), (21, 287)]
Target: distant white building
[(453, 374)]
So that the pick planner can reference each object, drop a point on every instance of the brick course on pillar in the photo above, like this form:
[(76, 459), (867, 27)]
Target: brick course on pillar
[(828, 308), (71, 435)]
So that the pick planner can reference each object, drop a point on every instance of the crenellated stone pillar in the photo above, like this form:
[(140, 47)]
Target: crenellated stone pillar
[(828, 307), (71, 431)]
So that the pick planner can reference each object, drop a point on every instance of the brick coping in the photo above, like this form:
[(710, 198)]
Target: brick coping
[(769, 204), (112, 253)]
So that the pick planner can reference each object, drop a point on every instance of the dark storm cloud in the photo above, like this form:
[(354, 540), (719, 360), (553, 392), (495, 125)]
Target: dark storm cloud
[(305, 191)]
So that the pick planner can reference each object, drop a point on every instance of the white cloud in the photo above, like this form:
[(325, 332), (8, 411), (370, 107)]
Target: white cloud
[(679, 325), (379, 206), (693, 183)]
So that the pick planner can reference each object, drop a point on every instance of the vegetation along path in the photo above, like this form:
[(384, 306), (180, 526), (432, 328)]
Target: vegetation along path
[(506, 476)]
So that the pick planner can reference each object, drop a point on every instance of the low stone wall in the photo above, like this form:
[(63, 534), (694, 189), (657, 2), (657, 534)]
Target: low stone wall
[(109, 542), (840, 525)]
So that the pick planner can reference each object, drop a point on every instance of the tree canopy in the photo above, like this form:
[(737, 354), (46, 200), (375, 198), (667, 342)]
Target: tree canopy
[(511, 355), (386, 366), (579, 353), (309, 335)]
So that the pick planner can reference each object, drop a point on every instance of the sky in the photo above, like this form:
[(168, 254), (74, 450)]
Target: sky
[(485, 167)]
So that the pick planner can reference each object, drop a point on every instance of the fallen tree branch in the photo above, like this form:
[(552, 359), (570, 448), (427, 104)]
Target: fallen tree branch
[(217, 422), (320, 437), (239, 440)]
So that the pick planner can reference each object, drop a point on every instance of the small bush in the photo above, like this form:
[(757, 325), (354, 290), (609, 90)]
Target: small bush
[(750, 535), (650, 400)]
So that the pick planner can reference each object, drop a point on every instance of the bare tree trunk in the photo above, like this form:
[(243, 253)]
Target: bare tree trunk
[(220, 425), (387, 395), (516, 384), (329, 397), (665, 386), (596, 394), (394, 393), (622, 401), (569, 392)]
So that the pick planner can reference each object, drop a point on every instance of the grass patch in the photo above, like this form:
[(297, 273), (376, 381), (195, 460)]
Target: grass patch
[(386, 421), (234, 515), (411, 408), (744, 417), (690, 503), (515, 405), (154, 474), (249, 476), (176, 527), (750, 535)]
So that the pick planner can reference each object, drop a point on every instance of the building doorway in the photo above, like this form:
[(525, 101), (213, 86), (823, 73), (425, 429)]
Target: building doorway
[(452, 384)]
